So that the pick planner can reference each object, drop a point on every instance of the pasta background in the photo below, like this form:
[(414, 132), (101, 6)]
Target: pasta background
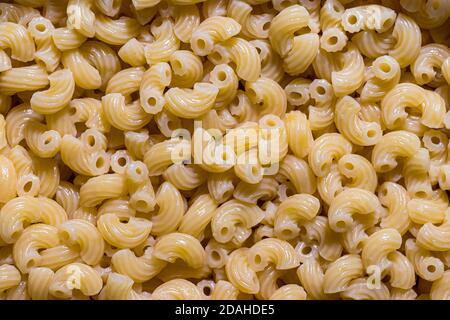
[(224, 149)]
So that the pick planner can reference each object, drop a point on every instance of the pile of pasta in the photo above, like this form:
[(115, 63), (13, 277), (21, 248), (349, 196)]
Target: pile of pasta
[(104, 194)]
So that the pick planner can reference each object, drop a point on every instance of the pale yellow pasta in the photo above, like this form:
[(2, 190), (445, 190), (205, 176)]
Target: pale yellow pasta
[(379, 246), (211, 31), (180, 246), (18, 211), (359, 290), (17, 13), (80, 17), (299, 173), (425, 264), (41, 30), (10, 277), (408, 40), (395, 198), (67, 38), (94, 191), (85, 279), (341, 272), (177, 289), (115, 32), (187, 69), (391, 146), (123, 233), (233, 221), (187, 19), (272, 251), (165, 43), (198, 216), (39, 280), (54, 99), (239, 272), (171, 209), (311, 276), (242, 54), (271, 63), (8, 180), (21, 79), (268, 96), (266, 189), (17, 38), (349, 205), (44, 143), (326, 149), (351, 75), (439, 289), (352, 127), (292, 212)]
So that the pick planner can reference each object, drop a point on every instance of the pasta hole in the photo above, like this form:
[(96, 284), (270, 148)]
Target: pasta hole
[(320, 90), (332, 40), (122, 161), (421, 194), (415, 112), (31, 263), (100, 162), (435, 140), (47, 140), (40, 27), (385, 167), (387, 23), (337, 9), (222, 76), (257, 259), (371, 133), (215, 255), (27, 186), (176, 64), (90, 140), (341, 224), (201, 44), (151, 101), (386, 68), (207, 290), (349, 166), (352, 19), (306, 250), (65, 236), (286, 233), (216, 56), (266, 26), (295, 95), (141, 205), (255, 171), (224, 231), (431, 268)]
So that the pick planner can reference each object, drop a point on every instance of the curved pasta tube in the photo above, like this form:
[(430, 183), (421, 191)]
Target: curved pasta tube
[(98, 189), (85, 159), (434, 238), (80, 17), (198, 216), (173, 246), (42, 29), (379, 245), (348, 205), (293, 211), (359, 290), (185, 177), (251, 193), (272, 251), (408, 40), (161, 155), (430, 57), (395, 198), (10, 277), (351, 76), (268, 95), (62, 87), (239, 272), (165, 44), (341, 272), (348, 122), (67, 39), (391, 146), (39, 280), (423, 262), (86, 236), (124, 116), (17, 38), (212, 31), (120, 287), (26, 250), (44, 143), (302, 54), (233, 221), (191, 103), (289, 292), (153, 83), (18, 211), (271, 63), (75, 276), (84, 74), (140, 269), (29, 78), (358, 171), (187, 69), (8, 180), (299, 173), (283, 28), (429, 104), (123, 232), (177, 289), (440, 289), (115, 32), (327, 148), (171, 209), (244, 55)]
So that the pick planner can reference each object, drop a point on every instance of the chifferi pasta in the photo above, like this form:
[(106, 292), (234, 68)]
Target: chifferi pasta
[(224, 149)]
